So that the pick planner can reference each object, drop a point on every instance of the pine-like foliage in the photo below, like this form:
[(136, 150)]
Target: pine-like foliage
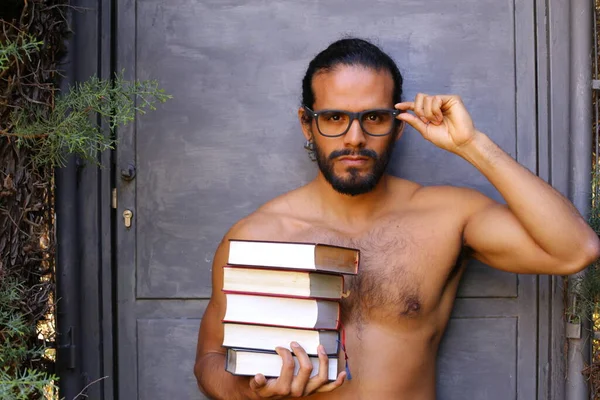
[(69, 129), (18, 382), (26, 284), (16, 50)]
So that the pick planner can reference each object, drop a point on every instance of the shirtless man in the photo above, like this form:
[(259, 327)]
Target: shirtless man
[(413, 239)]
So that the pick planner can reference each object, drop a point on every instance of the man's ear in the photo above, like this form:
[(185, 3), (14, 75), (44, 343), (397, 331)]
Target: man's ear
[(305, 123), (400, 130)]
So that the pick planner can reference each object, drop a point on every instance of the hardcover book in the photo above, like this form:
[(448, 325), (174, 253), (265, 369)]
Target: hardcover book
[(250, 363), (282, 312), (282, 282), (300, 256), (269, 337)]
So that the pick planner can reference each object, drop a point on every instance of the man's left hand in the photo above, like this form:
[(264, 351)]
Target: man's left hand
[(441, 119)]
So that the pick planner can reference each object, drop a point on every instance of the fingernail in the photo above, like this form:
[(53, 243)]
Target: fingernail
[(295, 345), (321, 349)]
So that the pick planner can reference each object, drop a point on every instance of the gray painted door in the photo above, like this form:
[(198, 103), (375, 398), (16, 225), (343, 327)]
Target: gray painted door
[(229, 141)]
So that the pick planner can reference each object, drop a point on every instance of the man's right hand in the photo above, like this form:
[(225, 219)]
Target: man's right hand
[(288, 385)]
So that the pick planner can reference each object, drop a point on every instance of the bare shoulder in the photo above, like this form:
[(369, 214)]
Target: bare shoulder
[(402, 188), (273, 220), (434, 196), (460, 200)]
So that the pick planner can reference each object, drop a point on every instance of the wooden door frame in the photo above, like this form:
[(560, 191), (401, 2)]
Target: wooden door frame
[(90, 53)]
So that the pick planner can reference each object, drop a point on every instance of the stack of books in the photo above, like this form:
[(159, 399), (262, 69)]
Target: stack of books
[(279, 292)]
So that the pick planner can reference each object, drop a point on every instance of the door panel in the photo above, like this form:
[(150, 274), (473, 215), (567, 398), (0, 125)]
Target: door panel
[(482, 281), (493, 350), (229, 141), (162, 346)]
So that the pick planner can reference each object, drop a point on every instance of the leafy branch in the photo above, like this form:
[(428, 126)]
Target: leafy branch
[(69, 128), (16, 382), (14, 50)]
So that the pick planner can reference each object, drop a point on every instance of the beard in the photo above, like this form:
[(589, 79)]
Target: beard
[(356, 183)]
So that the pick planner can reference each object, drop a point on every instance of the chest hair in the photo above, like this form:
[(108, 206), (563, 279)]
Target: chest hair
[(387, 284)]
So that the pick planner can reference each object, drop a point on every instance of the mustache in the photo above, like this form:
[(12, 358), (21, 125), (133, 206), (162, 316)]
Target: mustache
[(348, 152)]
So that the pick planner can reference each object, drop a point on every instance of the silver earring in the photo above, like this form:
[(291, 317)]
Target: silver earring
[(309, 146)]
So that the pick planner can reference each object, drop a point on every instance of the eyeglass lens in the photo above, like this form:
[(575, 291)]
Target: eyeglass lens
[(376, 122)]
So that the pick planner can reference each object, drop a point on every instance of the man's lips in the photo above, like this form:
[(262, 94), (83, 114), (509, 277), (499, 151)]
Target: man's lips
[(354, 160)]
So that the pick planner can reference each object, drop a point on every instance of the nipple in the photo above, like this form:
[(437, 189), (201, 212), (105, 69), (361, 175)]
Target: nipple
[(413, 306)]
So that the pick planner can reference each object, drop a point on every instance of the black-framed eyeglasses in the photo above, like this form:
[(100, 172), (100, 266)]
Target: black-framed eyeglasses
[(375, 122)]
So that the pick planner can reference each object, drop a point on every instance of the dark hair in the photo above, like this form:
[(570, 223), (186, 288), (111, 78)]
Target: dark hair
[(350, 52)]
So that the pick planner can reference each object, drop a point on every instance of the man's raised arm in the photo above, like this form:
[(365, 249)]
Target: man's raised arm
[(538, 230)]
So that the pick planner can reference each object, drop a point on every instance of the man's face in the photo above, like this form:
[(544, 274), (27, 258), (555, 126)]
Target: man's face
[(353, 163)]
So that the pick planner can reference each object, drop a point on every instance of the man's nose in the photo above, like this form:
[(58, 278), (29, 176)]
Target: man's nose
[(355, 137)]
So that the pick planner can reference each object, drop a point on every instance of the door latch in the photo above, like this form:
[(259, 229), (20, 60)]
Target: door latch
[(127, 217)]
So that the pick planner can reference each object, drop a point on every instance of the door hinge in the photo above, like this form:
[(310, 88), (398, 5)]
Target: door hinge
[(114, 198), (69, 351), (573, 328)]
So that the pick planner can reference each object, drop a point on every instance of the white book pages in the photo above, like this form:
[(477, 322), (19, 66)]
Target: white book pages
[(271, 310), (266, 254), (269, 338), (251, 363)]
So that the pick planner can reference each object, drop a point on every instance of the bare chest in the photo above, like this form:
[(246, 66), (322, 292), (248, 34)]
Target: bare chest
[(403, 270)]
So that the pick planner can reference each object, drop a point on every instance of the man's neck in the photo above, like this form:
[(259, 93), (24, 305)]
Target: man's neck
[(351, 210)]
